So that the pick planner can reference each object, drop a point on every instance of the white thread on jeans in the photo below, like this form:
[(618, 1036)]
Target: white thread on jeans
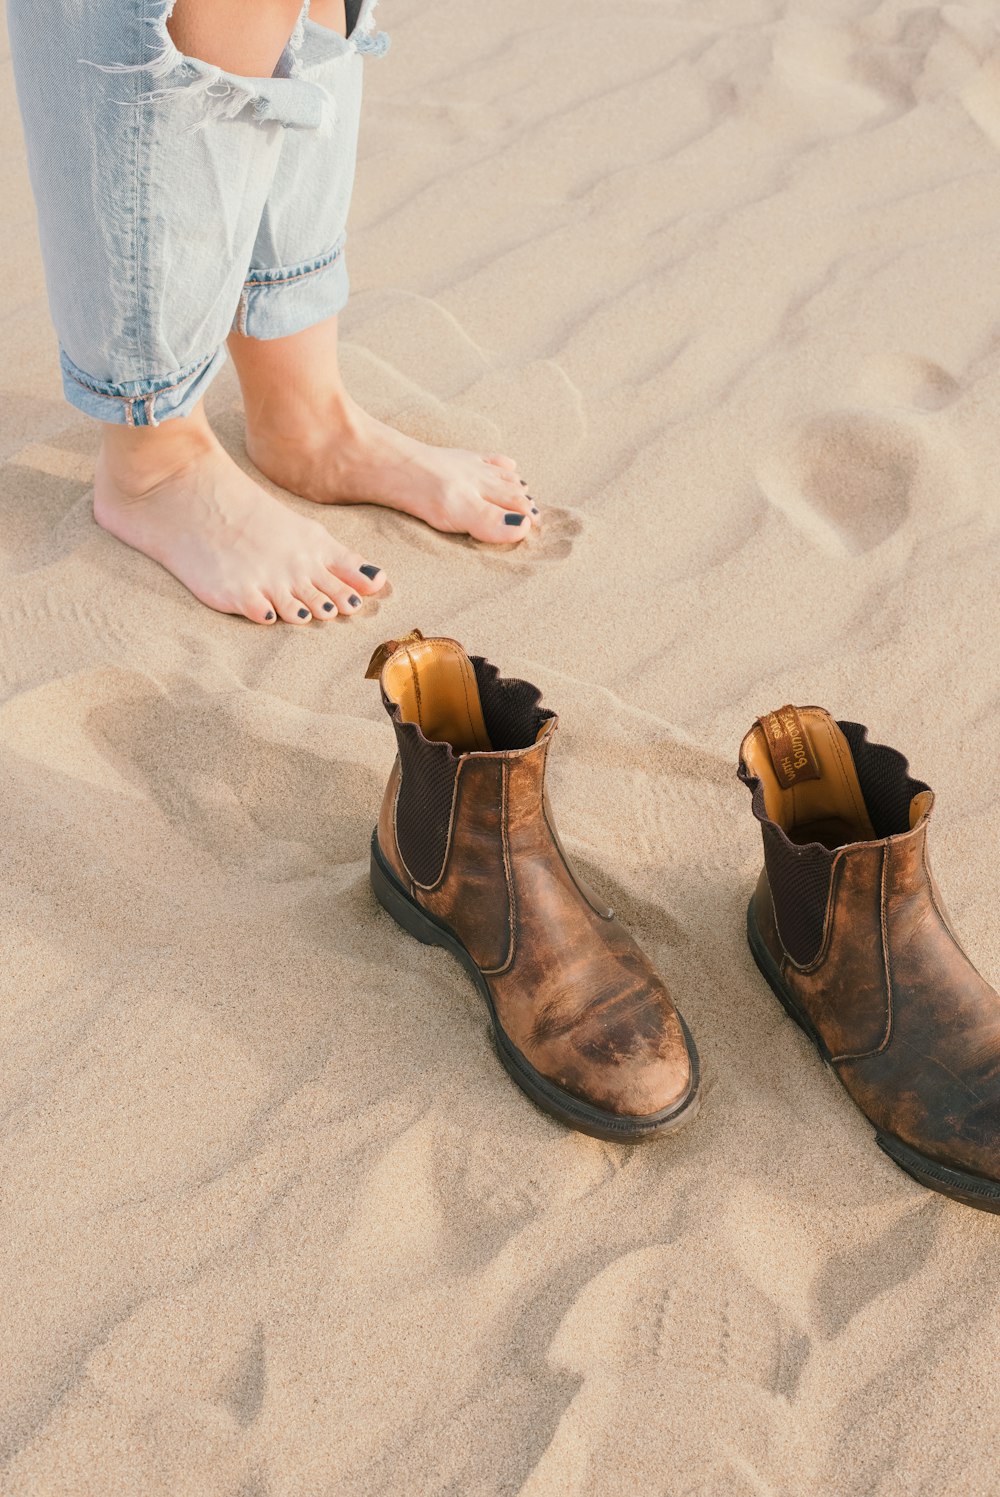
[(229, 94)]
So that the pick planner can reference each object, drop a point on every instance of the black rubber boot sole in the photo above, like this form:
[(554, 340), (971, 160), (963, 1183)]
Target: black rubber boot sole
[(544, 1093), (971, 1190)]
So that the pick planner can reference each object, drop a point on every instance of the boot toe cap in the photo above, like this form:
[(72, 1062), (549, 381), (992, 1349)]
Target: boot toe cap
[(638, 1075)]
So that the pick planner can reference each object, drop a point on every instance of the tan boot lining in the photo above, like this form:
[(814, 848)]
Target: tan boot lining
[(831, 809), (434, 683)]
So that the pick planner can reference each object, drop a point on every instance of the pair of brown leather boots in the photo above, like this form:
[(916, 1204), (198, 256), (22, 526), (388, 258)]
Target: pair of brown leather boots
[(846, 922)]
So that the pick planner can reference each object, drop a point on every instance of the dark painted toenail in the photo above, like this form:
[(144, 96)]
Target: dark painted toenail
[(513, 519), (268, 616), (354, 601), (303, 613), (534, 509), (327, 607), (369, 571), (523, 483)]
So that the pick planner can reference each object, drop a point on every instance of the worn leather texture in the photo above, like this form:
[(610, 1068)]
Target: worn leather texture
[(911, 1026), (571, 989), (386, 829)]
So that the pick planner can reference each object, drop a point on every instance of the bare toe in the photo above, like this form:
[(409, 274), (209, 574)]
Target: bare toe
[(509, 496), (489, 522), (236, 548), (319, 600), (360, 576), (259, 609), (291, 608), (350, 604), (345, 597)]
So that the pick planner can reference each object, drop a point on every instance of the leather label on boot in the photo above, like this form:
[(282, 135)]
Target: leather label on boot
[(792, 754)]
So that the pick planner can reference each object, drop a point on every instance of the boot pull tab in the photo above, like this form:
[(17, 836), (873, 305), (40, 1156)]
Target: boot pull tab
[(790, 747), (384, 651)]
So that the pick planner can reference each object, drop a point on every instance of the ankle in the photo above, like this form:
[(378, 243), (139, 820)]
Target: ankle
[(136, 459), (291, 386), (303, 419)]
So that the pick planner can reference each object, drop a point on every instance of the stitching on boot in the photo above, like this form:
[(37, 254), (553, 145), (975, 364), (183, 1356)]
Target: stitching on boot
[(809, 967), (416, 689), (933, 898), (509, 880), (886, 854), (468, 706), (800, 880), (887, 968), (847, 769)]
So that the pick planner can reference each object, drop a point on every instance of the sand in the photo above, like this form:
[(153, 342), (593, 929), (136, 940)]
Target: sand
[(723, 274)]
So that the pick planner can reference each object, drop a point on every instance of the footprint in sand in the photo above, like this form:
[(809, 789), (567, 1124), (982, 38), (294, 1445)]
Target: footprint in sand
[(846, 478), (842, 79), (981, 97), (854, 1277), (552, 542), (244, 1383), (625, 1339), (905, 379), (250, 801)]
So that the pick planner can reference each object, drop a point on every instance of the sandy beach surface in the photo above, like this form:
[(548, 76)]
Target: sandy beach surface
[(723, 274)]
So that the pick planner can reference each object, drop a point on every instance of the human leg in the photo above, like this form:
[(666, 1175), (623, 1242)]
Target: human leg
[(303, 429), (151, 167)]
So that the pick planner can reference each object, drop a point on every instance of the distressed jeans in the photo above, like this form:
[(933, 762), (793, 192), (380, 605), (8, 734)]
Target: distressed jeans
[(177, 201)]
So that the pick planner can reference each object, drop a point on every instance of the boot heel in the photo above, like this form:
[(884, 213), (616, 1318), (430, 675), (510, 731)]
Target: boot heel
[(395, 901)]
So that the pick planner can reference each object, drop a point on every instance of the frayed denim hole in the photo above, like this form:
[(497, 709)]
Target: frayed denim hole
[(364, 38), (164, 58), (289, 64), (373, 46), (226, 95)]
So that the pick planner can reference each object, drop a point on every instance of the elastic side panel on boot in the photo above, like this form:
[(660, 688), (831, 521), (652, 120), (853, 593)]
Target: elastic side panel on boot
[(799, 880), (510, 707), (423, 806), (885, 783)]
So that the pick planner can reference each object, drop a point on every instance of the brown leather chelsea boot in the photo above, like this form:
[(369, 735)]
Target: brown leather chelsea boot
[(848, 927), (466, 856)]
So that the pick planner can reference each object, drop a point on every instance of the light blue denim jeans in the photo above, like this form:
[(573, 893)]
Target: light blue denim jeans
[(177, 201)]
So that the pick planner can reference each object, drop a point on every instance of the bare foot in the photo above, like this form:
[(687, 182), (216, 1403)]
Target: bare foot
[(173, 493), (346, 456), (306, 433)]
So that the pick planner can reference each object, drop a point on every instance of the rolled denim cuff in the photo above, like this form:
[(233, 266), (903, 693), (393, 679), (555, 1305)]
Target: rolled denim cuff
[(140, 402), (276, 303)]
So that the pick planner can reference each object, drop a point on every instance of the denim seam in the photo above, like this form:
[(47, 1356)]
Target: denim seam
[(277, 279), (128, 399), (140, 131)]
